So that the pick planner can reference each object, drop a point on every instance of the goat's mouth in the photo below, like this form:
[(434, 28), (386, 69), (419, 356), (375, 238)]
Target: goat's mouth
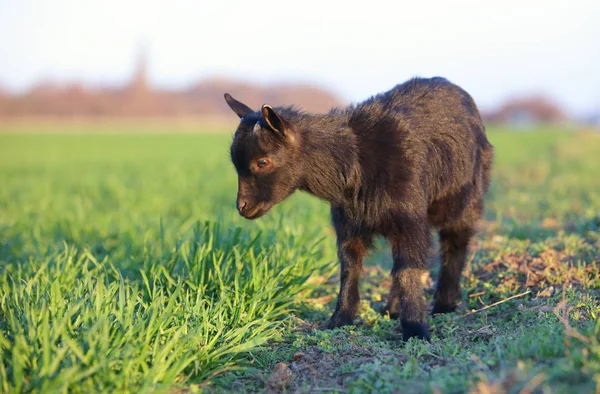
[(256, 212)]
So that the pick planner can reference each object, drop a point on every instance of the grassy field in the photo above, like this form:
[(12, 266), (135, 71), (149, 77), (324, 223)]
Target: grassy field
[(124, 267)]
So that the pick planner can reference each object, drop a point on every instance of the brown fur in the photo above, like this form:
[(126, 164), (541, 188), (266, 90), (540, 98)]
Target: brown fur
[(399, 164)]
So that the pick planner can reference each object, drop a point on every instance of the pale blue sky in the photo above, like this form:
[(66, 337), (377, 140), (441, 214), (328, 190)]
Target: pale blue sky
[(493, 49)]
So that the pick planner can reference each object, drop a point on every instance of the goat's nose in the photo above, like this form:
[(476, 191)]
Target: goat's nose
[(241, 205)]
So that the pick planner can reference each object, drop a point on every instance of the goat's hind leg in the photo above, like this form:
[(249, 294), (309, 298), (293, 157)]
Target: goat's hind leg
[(454, 245)]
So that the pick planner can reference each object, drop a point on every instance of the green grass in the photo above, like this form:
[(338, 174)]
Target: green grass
[(125, 267)]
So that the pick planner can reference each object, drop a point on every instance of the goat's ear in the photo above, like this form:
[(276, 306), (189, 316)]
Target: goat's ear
[(273, 120), (239, 108)]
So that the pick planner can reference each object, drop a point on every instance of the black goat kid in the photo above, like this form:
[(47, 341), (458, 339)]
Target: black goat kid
[(399, 164)]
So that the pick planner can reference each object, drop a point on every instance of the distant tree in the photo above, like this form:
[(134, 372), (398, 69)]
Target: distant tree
[(138, 98), (527, 110)]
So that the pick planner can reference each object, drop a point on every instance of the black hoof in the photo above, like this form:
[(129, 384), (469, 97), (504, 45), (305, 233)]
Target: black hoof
[(418, 330), (440, 308), (338, 320)]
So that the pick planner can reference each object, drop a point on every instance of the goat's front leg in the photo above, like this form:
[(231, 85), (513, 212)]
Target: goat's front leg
[(407, 298), (351, 252)]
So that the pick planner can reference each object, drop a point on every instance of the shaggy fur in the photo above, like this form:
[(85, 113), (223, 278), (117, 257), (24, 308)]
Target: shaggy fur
[(399, 164)]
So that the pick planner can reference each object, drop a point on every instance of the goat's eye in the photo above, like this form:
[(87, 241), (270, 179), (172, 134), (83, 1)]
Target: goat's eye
[(261, 163)]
